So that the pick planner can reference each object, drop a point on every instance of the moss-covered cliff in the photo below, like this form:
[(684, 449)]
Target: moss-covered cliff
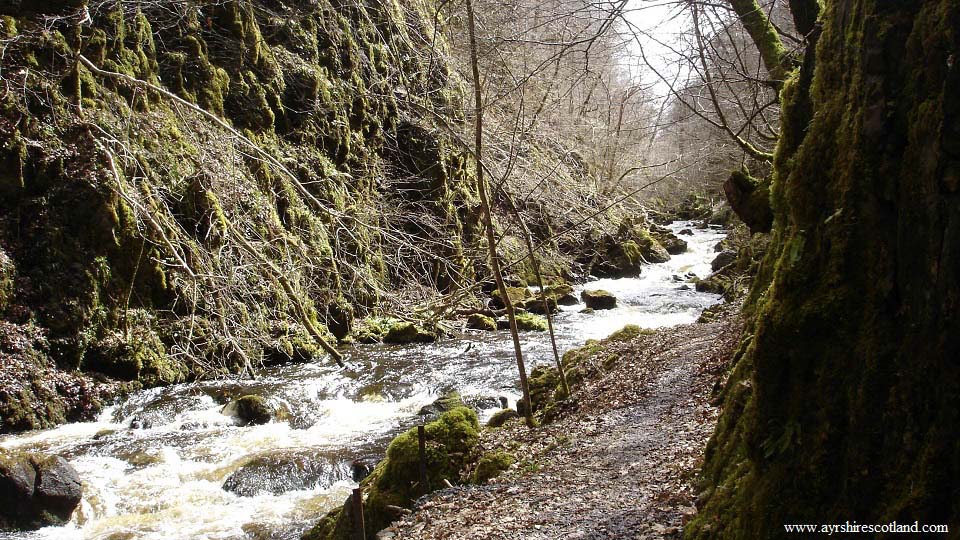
[(150, 243), (843, 401)]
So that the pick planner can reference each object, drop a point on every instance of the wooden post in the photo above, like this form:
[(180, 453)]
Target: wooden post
[(359, 532), (422, 436)]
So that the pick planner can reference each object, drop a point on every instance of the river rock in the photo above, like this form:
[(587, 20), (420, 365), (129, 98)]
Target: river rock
[(279, 472), (599, 299), (408, 332), (668, 240), (249, 410), (479, 321), (724, 258), (686, 232), (36, 491)]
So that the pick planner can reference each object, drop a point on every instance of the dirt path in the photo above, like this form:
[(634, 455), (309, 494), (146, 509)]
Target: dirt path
[(619, 464)]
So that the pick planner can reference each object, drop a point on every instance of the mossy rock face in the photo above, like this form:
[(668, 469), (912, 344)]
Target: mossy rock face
[(249, 410), (491, 465), (479, 321), (395, 481), (408, 332), (139, 356), (598, 299), (502, 417)]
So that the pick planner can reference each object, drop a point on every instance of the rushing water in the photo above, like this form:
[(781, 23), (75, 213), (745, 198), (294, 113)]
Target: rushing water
[(157, 465)]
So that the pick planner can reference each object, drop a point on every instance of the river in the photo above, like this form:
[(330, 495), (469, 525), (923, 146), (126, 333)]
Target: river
[(156, 465)]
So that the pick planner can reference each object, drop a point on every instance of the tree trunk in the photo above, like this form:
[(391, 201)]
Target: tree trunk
[(487, 218), (844, 401)]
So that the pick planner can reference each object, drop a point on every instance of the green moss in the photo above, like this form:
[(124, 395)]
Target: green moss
[(491, 465), (395, 481), (530, 322), (502, 417), (478, 321), (408, 332)]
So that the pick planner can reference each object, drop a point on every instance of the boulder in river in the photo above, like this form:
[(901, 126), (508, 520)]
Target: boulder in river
[(686, 232), (408, 332), (282, 471), (249, 410), (599, 299), (673, 244), (724, 258), (479, 321), (36, 491)]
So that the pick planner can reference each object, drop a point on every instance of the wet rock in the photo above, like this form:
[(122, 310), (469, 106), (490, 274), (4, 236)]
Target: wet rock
[(686, 232), (668, 240), (724, 258), (568, 300), (587, 311), (36, 491), (478, 321), (249, 410), (449, 401), (683, 287), (279, 472), (599, 299), (361, 468), (536, 305)]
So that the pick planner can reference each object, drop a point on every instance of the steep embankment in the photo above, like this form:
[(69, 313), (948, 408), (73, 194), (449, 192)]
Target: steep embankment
[(843, 403), (149, 242), (191, 189)]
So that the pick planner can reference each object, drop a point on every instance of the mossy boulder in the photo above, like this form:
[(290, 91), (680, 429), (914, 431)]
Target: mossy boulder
[(249, 410), (491, 465), (530, 322), (502, 417), (395, 482), (517, 296), (479, 321), (540, 305), (722, 259), (598, 299), (36, 491), (372, 329), (408, 332)]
